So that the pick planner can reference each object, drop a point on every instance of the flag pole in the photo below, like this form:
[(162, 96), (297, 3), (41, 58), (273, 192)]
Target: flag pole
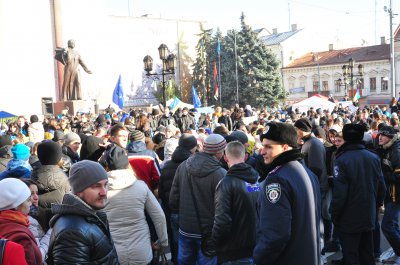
[(219, 79)]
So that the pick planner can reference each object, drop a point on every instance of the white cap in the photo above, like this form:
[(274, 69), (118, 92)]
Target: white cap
[(13, 193)]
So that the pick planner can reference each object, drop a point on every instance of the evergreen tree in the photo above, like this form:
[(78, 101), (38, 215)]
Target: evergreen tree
[(201, 77)]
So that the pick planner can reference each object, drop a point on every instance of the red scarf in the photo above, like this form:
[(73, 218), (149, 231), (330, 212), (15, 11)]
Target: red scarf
[(15, 216)]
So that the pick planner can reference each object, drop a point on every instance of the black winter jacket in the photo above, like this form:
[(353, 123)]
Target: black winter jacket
[(358, 188), (168, 172), (205, 171), (390, 160), (234, 228), (80, 235)]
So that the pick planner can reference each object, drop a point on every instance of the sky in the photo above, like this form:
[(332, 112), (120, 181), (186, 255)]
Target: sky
[(344, 23)]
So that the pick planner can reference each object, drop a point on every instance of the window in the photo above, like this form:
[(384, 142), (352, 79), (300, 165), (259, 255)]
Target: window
[(325, 86), (315, 86), (360, 83), (372, 84), (337, 86), (384, 83)]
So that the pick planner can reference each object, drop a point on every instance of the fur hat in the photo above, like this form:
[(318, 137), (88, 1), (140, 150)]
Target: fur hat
[(20, 151), (303, 124), (13, 193), (214, 144), (353, 133), (71, 137), (49, 153), (85, 173), (187, 141), (137, 135), (283, 133), (387, 131)]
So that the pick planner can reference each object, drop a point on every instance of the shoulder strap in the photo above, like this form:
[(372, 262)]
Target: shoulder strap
[(3, 243), (195, 204)]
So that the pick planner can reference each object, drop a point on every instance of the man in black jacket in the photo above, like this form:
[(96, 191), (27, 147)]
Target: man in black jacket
[(81, 234), (358, 187), (236, 196)]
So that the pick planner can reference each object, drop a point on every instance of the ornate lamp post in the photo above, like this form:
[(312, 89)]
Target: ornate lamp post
[(348, 73), (168, 67)]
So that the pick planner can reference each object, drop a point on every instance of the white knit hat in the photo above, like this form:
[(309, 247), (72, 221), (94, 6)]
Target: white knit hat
[(13, 193)]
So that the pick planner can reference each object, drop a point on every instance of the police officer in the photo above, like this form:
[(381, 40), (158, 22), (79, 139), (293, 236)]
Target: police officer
[(288, 208)]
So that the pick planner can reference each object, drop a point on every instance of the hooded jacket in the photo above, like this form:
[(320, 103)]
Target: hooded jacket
[(234, 228), (144, 163), (17, 168), (128, 225), (36, 132), (205, 172), (80, 235), (168, 172)]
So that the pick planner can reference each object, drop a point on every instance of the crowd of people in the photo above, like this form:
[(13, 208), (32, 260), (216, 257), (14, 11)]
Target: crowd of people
[(123, 187)]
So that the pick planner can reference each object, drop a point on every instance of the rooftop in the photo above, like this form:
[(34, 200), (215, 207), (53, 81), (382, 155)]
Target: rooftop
[(277, 38), (359, 54)]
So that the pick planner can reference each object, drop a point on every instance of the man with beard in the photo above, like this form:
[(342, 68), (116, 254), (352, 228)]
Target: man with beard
[(81, 234), (288, 214)]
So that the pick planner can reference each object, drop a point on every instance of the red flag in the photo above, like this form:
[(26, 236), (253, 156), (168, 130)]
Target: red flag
[(215, 82)]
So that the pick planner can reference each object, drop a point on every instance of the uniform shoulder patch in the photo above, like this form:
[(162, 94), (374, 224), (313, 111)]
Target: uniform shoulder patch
[(273, 192)]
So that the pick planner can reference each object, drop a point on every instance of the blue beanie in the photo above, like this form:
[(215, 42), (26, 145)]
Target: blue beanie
[(20, 151)]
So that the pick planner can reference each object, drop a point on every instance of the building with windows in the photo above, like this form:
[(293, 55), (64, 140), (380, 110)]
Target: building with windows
[(322, 72)]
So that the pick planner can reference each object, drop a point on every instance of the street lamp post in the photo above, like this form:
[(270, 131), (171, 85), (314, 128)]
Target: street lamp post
[(168, 67), (343, 83), (348, 73)]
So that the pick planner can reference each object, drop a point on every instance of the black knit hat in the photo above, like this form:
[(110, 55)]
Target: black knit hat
[(353, 132), (240, 136), (115, 158), (5, 140), (283, 133), (303, 124), (49, 153), (136, 135), (187, 141), (90, 149), (34, 118)]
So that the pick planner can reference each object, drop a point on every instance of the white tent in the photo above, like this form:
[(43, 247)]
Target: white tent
[(316, 101)]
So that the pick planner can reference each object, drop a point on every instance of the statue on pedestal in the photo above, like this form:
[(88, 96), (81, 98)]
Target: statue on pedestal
[(71, 59)]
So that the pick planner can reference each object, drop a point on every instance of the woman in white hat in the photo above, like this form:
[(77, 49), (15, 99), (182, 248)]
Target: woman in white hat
[(15, 202)]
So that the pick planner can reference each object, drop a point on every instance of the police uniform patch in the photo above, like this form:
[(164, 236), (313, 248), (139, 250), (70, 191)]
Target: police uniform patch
[(273, 192), (335, 171)]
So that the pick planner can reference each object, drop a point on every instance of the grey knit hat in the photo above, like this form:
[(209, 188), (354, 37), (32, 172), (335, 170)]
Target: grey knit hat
[(71, 137), (137, 135), (214, 144), (84, 174)]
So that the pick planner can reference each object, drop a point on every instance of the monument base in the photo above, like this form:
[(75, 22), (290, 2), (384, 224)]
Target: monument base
[(73, 106)]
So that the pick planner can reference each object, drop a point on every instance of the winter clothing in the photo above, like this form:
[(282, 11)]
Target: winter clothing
[(84, 174), (144, 163), (42, 239), (187, 141), (186, 122), (13, 253), (71, 137), (20, 151), (303, 124), (128, 225), (288, 214), (137, 136), (214, 144), (80, 234), (280, 132), (165, 121), (13, 193), (234, 227), (90, 149), (5, 157), (14, 227), (353, 132), (205, 172), (49, 153), (73, 156), (36, 132), (5, 140), (17, 169)]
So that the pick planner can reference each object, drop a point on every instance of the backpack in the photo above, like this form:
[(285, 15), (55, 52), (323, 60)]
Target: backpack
[(3, 243)]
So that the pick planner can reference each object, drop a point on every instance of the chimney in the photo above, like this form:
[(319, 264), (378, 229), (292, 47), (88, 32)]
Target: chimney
[(330, 47), (383, 41), (294, 27), (275, 31)]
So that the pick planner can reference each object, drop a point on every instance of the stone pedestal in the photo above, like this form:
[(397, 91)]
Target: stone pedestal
[(73, 106)]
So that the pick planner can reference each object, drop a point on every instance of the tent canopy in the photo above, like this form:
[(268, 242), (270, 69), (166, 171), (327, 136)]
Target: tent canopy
[(5, 115), (316, 101)]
